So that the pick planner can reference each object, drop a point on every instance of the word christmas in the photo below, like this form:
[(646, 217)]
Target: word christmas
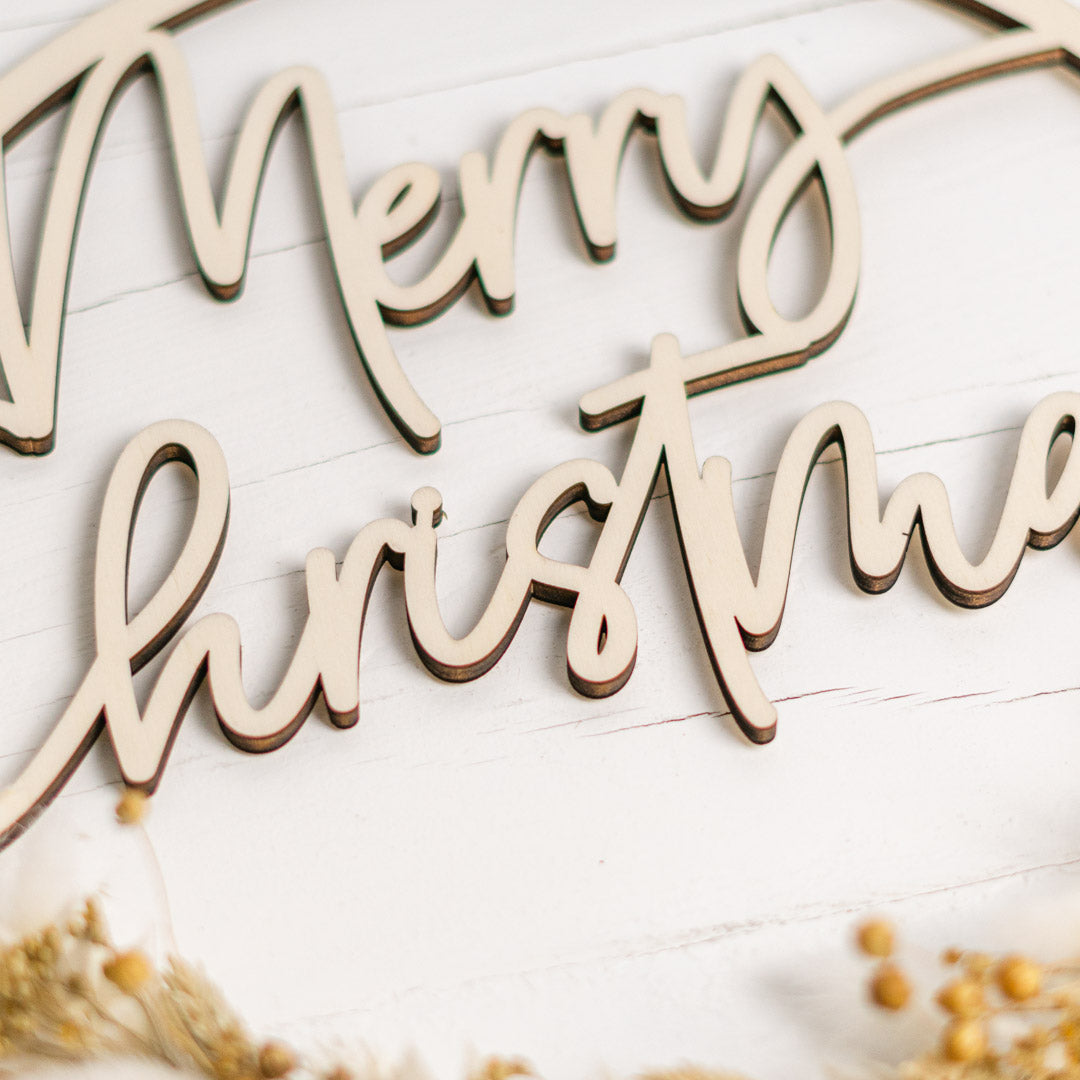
[(91, 63)]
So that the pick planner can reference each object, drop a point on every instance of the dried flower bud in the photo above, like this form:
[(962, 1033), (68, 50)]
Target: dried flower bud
[(275, 1060), (19, 1022), (500, 1068), (686, 1072), (889, 988), (229, 1062), (952, 956), (1018, 978), (876, 938), (964, 1040), (131, 808), (70, 1034), (1038, 1038), (17, 964), (129, 971), (94, 923), (962, 997)]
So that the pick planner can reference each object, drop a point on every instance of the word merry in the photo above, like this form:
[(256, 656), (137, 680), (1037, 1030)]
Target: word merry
[(93, 62)]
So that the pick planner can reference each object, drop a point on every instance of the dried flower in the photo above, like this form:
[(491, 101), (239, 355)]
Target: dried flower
[(500, 1068), (964, 1040), (275, 1060), (132, 807), (876, 938), (963, 998), (890, 988), (129, 971), (70, 1033), (1018, 978)]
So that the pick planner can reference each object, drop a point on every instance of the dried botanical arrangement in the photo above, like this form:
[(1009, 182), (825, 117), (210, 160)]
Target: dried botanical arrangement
[(69, 994), (1004, 1017)]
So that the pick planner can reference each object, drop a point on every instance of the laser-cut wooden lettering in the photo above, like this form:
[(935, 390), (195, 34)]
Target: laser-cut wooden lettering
[(737, 612), (91, 64)]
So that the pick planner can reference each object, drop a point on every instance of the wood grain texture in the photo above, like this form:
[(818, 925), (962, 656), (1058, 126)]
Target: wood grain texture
[(504, 865)]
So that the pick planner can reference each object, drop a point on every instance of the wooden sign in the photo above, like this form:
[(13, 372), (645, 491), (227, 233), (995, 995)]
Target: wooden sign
[(738, 611)]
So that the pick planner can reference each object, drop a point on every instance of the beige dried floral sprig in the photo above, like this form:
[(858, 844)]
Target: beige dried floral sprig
[(68, 994), (1003, 1017)]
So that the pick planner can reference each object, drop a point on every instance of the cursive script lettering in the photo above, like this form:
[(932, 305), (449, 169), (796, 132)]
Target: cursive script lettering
[(91, 64), (735, 611)]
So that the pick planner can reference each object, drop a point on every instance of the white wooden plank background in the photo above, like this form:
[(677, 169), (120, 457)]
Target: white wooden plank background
[(505, 866)]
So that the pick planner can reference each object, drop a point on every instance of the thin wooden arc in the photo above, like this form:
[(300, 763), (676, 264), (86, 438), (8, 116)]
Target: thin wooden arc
[(773, 342)]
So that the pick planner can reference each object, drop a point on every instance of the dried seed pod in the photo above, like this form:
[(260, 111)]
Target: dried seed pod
[(129, 971), (963, 998), (876, 938), (131, 809), (275, 1060), (1018, 978), (964, 1040), (501, 1068), (890, 988)]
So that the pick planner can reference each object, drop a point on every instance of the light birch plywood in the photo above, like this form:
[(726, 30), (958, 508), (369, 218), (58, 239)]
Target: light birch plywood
[(505, 865)]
